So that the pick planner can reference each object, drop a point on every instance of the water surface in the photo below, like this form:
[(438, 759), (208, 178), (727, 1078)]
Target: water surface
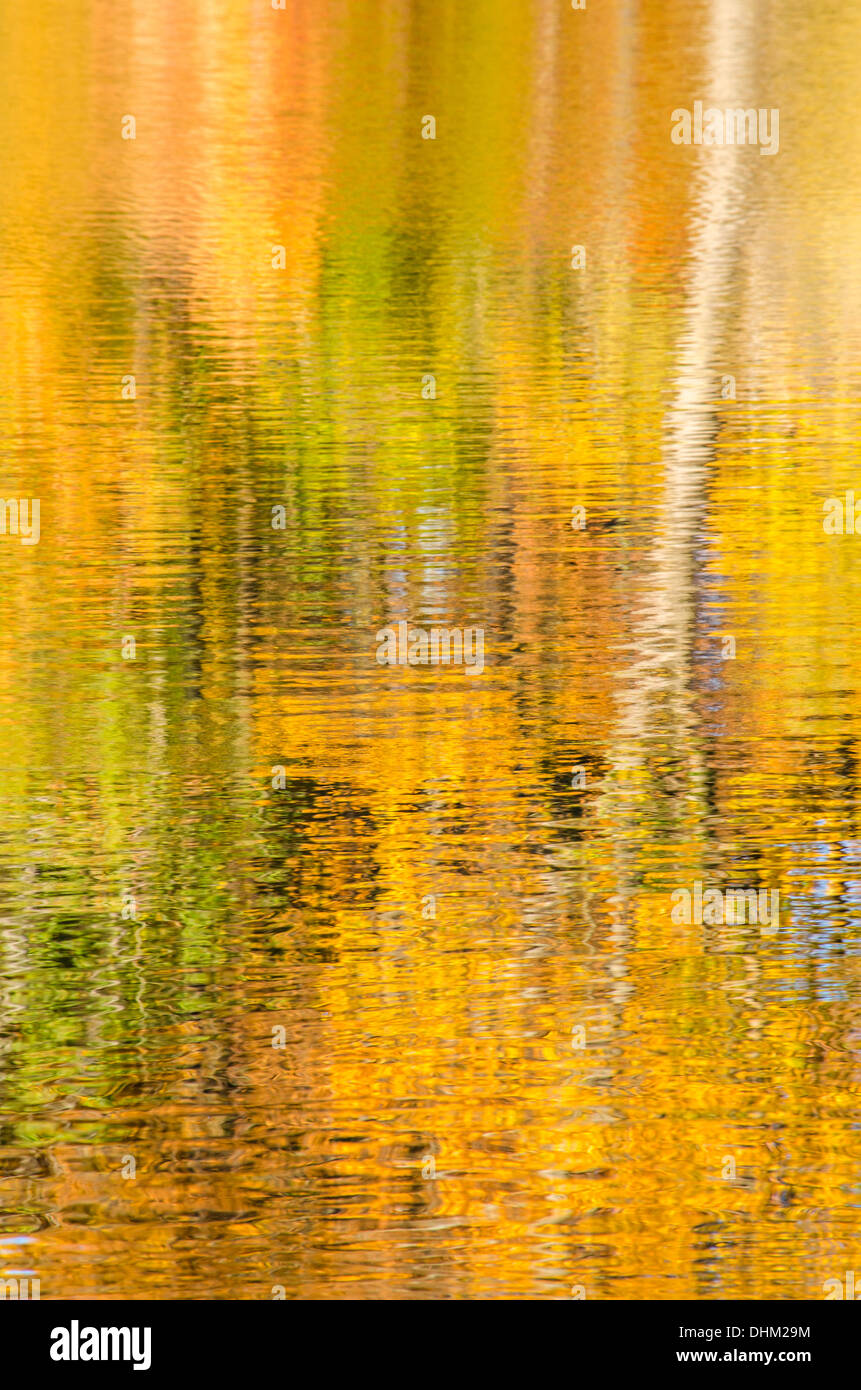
[(253, 833)]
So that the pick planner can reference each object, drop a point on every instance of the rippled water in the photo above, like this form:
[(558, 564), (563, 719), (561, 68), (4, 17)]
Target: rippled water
[(370, 974)]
